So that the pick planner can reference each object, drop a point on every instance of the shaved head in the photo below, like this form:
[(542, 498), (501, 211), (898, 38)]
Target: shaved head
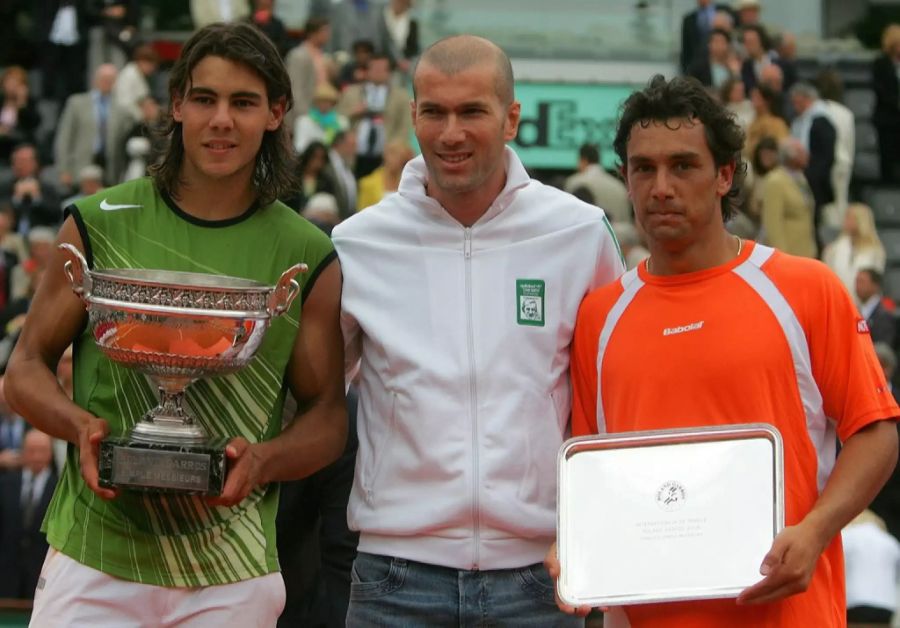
[(458, 53)]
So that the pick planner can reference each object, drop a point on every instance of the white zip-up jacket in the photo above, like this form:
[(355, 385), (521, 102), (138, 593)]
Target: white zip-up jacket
[(463, 335)]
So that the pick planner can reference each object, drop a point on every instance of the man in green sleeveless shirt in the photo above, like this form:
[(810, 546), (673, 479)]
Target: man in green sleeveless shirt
[(129, 558)]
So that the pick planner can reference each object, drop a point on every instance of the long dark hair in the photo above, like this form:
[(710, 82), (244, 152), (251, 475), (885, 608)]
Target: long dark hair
[(685, 98), (275, 174)]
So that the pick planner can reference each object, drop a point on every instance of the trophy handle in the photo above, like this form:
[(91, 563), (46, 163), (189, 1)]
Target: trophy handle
[(77, 271), (285, 290)]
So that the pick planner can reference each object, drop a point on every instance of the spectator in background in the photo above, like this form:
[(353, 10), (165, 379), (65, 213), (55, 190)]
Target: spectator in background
[(10, 240), (766, 119), (758, 48), (831, 90), (307, 66), (886, 117), (24, 497), (856, 247), (787, 203), (354, 71), (120, 21), (765, 158), (724, 20), (733, 95), (132, 83), (748, 12), (630, 242), (786, 47), (16, 46), (12, 435), (8, 259), (19, 116), (353, 20), (138, 154), (378, 110), (12, 317), (400, 32), (872, 567), (61, 27), (719, 64), (773, 77), (40, 247), (264, 19), (341, 158), (385, 179), (607, 191), (695, 29), (91, 130), (814, 129), (313, 178), (141, 147), (872, 306), (322, 122), (322, 211), (205, 12), (90, 181), (34, 202)]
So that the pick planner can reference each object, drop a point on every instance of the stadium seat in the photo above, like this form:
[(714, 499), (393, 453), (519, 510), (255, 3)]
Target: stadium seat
[(855, 72), (866, 137), (866, 167), (861, 102), (885, 204)]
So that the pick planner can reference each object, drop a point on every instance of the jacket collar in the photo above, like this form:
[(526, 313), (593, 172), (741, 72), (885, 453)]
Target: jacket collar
[(415, 176)]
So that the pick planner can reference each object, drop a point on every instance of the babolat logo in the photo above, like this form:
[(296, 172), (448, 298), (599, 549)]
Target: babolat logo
[(671, 331)]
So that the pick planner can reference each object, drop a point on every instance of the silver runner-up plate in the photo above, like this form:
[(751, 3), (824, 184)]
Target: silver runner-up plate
[(667, 515)]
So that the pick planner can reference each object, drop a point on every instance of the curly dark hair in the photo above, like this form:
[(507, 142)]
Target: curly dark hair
[(685, 98), (275, 175)]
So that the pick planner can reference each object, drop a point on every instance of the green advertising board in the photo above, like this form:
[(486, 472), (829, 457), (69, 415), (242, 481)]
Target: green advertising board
[(557, 118)]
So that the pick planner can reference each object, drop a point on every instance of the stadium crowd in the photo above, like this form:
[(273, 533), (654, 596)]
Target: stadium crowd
[(80, 98)]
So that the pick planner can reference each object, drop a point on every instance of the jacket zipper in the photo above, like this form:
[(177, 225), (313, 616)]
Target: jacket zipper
[(467, 255)]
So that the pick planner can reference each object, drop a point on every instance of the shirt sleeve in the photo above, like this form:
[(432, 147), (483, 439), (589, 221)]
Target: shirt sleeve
[(852, 383), (584, 367)]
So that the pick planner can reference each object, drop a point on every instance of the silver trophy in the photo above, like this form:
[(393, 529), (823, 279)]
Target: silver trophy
[(175, 327)]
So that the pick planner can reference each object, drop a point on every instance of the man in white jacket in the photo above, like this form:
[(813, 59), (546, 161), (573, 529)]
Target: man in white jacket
[(459, 300)]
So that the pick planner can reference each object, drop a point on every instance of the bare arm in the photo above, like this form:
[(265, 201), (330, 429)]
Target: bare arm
[(863, 466), (317, 434), (54, 320)]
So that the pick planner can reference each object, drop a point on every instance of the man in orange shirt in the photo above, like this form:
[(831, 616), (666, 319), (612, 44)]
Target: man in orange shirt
[(713, 330)]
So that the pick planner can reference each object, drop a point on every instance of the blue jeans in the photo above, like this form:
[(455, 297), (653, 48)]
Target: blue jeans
[(400, 593)]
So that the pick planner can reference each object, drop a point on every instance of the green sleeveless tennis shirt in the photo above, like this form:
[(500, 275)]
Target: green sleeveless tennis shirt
[(179, 540)]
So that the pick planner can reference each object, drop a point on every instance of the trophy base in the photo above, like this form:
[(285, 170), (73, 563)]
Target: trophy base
[(186, 468)]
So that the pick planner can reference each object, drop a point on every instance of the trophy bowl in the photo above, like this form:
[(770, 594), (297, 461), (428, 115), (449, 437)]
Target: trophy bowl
[(175, 327)]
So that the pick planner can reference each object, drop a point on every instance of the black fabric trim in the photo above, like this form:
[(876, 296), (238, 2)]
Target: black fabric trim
[(326, 261), (73, 211), (200, 222)]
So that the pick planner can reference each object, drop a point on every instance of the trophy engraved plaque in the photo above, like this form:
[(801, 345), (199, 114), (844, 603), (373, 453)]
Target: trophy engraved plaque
[(667, 515), (174, 327)]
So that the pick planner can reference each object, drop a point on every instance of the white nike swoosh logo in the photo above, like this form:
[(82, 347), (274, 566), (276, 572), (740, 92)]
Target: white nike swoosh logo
[(110, 207)]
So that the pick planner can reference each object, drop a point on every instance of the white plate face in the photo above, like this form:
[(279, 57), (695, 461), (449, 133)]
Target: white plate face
[(669, 521)]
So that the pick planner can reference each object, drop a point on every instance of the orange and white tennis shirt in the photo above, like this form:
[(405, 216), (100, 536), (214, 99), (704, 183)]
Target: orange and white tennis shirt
[(767, 337)]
